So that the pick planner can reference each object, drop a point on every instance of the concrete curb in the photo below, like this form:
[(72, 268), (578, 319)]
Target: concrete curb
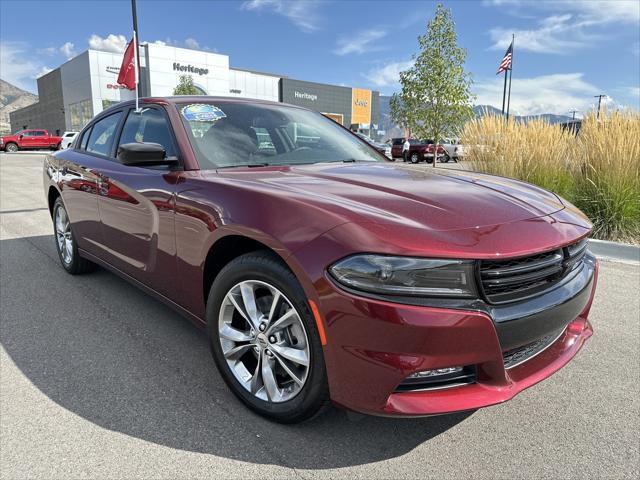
[(617, 252)]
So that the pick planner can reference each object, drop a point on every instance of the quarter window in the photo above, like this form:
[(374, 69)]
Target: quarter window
[(102, 133), (149, 126)]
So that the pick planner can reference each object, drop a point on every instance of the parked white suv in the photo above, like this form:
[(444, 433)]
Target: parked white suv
[(453, 150), (67, 139)]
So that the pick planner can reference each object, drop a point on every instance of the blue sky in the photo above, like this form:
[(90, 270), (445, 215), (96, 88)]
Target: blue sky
[(566, 51)]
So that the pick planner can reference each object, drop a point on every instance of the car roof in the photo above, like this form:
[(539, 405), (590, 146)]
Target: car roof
[(176, 99)]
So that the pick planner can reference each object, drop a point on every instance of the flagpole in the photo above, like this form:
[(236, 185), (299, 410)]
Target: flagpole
[(135, 65), (134, 17), (513, 39), (504, 90)]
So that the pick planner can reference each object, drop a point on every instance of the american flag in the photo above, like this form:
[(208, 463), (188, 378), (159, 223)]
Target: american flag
[(506, 61)]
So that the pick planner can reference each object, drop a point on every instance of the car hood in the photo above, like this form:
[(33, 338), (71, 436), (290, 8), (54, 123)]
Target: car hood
[(388, 193)]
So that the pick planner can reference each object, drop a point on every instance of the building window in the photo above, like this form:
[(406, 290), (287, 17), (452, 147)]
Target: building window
[(80, 113), (107, 103)]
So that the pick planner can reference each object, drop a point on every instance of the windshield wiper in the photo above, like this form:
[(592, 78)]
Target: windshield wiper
[(264, 164)]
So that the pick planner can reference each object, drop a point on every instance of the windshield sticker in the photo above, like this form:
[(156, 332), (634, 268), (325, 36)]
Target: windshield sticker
[(202, 112)]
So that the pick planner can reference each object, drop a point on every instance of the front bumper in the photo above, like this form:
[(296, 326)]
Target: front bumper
[(375, 344)]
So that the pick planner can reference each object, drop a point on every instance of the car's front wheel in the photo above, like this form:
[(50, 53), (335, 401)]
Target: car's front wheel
[(66, 242), (415, 158), (264, 339), (11, 147)]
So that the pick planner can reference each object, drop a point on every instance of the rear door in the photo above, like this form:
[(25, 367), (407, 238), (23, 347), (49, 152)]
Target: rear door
[(78, 180), (136, 205), (41, 139)]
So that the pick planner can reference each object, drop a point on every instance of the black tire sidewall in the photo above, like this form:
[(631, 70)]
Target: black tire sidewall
[(267, 268), (73, 266)]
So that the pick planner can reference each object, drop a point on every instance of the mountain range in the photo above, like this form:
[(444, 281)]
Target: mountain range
[(392, 130), (12, 98)]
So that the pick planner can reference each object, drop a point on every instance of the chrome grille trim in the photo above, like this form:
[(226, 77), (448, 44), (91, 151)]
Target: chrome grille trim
[(513, 279)]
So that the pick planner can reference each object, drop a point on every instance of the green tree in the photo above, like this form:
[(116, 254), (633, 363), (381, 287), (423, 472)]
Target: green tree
[(186, 86), (436, 91)]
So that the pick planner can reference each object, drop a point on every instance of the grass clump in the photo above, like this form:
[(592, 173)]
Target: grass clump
[(597, 170)]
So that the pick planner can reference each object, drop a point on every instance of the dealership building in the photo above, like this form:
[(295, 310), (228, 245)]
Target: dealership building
[(73, 93)]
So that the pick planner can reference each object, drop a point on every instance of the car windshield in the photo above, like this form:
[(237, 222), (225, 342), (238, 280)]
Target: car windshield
[(243, 134)]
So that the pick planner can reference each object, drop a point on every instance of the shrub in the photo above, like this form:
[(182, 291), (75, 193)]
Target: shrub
[(597, 170)]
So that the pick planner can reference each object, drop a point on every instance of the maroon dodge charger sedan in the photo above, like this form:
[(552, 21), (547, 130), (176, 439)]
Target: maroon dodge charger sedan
[(321, 271)]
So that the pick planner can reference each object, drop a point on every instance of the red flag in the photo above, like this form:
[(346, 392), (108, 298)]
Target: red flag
[(128, 75)]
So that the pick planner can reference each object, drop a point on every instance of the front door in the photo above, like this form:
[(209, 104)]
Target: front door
[(136, 206)]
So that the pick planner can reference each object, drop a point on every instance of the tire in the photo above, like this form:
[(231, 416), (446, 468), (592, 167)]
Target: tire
[(261, 275), (11, 148), (65, 242), (415, 158), (446, 158)]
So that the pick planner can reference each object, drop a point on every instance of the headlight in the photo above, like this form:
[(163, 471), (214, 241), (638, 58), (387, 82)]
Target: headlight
[(406, 276)]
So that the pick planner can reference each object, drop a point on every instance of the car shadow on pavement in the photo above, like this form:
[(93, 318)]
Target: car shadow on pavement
[(116, 357)]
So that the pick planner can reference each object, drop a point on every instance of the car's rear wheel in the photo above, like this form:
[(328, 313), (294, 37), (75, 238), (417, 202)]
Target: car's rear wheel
[(446, 158), (415, 158), (66, 242), (264, 340), (11, 147)]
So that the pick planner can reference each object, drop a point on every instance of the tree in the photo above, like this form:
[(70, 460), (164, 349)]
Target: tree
[(435, 98), (186, 86)]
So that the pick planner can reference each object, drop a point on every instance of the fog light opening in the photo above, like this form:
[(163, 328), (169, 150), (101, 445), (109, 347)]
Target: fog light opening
[(436, 372), (438, 378)]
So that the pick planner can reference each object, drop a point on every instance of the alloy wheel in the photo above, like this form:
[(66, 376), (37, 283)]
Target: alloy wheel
[(264, 341), (63, 235)]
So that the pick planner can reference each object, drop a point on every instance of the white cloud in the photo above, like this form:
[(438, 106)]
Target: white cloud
[(387, 75), (110, 43), (558, 34), (572, 24), (190, 42), (361, 42), (595, 11), (302, 13), (68, 50), (18, 66), (556, 93)]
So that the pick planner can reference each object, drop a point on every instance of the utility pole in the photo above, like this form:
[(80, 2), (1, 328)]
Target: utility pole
[(573, 114), (599, 97)]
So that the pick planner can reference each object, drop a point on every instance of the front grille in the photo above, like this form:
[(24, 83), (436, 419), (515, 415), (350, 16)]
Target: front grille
[(520, 355), (519, 278)]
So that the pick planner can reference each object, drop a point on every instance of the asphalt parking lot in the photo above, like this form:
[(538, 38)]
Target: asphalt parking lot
[(98, 380)]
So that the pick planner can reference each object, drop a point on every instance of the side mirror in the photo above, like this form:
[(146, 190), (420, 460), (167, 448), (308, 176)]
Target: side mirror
[(21, 137), (141, 154)]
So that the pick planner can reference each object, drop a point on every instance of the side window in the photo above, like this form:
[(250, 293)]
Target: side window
[(40, 133), (28, 133), (151, 126), (102, 134)]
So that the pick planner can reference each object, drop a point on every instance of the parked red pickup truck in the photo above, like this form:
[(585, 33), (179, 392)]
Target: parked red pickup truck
[(29, 139), (419, 150)]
